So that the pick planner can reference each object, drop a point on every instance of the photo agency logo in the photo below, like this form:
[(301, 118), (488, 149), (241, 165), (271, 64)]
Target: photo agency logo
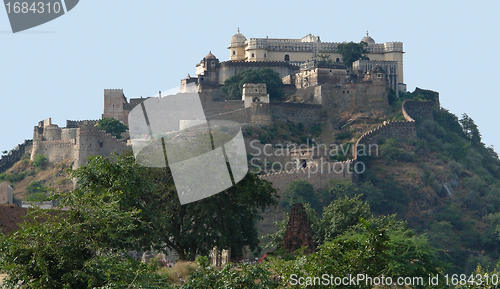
[(29, 13), (204, 156)]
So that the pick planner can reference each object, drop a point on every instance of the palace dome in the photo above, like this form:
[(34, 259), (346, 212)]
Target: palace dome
[(210, 56), (238, 39), (368, 39)]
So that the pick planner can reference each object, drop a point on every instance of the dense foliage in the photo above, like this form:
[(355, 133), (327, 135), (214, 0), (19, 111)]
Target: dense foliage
[(119, 206), (233, 86), (112, 126), (350, 52)]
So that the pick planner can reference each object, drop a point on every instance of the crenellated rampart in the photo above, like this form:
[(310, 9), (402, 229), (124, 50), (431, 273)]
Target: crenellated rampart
[(78, 123), (318, 175), (321, 174), (15, 154)]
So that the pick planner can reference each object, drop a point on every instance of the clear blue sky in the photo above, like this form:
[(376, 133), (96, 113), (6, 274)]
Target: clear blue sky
[(61, 68)]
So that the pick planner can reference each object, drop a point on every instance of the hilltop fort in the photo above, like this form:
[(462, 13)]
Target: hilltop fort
[(317, 91)]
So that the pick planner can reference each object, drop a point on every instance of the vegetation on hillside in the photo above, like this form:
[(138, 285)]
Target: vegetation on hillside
[(428, 206), (118, 206), (112, 126), (233, 86), (350, 52)]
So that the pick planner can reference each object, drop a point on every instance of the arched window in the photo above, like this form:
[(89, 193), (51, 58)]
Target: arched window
[(287, 57), (253, 55), (234, 52), (337, 60)]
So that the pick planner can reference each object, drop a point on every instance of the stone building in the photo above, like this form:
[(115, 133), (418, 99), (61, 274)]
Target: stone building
[(117, 106), (5, 193), (77, 141), (307, 48)]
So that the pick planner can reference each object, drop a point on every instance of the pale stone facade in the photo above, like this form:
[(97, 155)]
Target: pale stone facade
[(5, 193), (77, 141), (307, 48)]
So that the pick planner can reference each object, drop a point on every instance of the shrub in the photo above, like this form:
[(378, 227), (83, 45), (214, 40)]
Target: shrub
[(343, 135), (39, 161), (37, 197), (35, 187)]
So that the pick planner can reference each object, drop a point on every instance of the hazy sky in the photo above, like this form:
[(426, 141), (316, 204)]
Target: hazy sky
[(61, 68)]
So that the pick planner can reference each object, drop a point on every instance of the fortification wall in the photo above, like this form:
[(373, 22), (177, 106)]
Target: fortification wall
[(260, 113), (54, 150), (266, 153), (400, 130), (93, 142), (68, 133), (79, 123), (15, 154), (352, 96), (321, 174), (306, 114), (318, 175), (211, 107), (429, 94), (51, 133), (412, 108), (230, 68)]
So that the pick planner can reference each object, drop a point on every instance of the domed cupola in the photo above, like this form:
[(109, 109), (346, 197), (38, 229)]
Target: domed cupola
[(210, 56), (368, 39), (238, 40), (237, 47)]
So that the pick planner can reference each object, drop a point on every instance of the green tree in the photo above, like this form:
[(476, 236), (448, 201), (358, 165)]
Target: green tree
[(372, 247), (242, 276), (300, 191), (112, 126), (84, 247), (470, 128), (233, 86), (339, 216), (336, 219), (224, 220), (350, 52)]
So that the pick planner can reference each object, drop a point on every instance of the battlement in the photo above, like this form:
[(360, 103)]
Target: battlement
[(79, 123), (15, 154), (318, 175), (259, 64)]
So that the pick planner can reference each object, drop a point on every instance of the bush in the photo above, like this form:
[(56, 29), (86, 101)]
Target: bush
[(35, 187), (391, 150), (36, 197), (343, 135), (112, 126), (39, 161)]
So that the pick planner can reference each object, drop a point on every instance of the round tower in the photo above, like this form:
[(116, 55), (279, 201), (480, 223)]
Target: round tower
[(237, 47)]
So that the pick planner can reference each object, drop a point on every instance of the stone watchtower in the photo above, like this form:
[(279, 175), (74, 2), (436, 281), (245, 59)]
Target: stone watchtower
[(254, 93), (115, 105)]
